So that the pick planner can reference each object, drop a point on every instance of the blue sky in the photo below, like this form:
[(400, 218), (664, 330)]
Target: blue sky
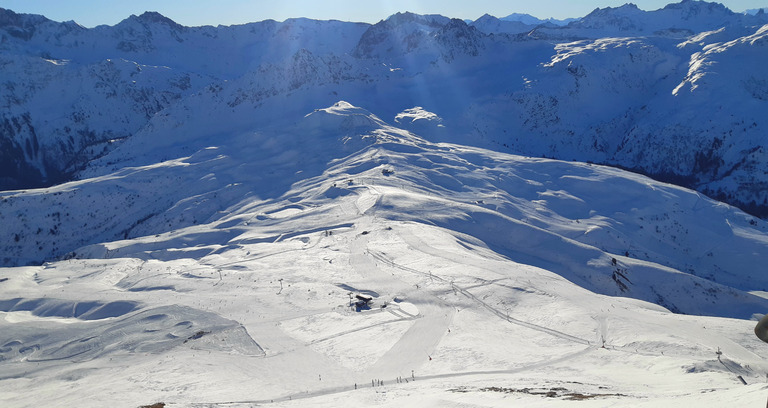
[(208, 12)]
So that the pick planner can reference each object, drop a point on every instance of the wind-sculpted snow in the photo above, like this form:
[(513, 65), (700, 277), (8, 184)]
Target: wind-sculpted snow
[(714, 59), (150, 331)]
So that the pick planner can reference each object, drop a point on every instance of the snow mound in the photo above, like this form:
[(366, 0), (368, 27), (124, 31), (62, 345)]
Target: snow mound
[(152, 330), (417, 113)]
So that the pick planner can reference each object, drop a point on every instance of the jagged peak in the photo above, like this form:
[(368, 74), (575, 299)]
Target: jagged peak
[(486, 17), (459, 37), (698, 6), (456, 25), (399, 29), (9, 18), (153, 17), (625, 8), (73, 24), (523, 18), (432, 20)]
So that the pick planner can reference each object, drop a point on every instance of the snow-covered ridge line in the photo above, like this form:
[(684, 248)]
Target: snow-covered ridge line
[(319, 249), (621, 86)]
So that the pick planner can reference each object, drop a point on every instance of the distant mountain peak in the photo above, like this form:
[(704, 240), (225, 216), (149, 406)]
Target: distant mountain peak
[(698, 6), (402, 33), (756, 12), (676, 20), (460, 37), (432, 20), (627, 8), (523, 18), (153, 17), (487, 16), (534, 21), (8, 18)]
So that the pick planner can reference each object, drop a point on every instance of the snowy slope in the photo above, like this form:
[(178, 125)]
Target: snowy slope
[(153, 39), (676, 20), (70, 113), (492, 276), (224, 212), (611, 100), (636, 94), (69, 92)]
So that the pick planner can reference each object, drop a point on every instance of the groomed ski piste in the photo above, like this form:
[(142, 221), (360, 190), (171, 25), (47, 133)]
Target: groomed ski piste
[(332, 258)]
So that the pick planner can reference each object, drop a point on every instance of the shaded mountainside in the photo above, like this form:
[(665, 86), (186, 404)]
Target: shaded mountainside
[(676, 93), (607, 230), (69, 93)]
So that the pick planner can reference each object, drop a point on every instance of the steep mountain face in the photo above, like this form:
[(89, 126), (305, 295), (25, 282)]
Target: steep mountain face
[(490, 24), (677, 20), (640, 103), (400, 34), (57, 115), (70, 93), (531, 20), (515, 23), (621, 86)]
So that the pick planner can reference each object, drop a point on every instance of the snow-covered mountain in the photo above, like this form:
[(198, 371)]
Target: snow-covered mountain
[(515, 23), (242, 256), (755, 11), (531, 20), (638, 101), (489, 24), (416, 212), (677, 20), (70, 92)]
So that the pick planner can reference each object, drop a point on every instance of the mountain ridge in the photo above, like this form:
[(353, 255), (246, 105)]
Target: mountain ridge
[(39, 148)]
